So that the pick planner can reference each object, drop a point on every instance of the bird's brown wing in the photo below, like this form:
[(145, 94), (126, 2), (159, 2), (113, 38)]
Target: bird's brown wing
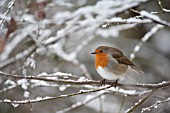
[(124, 60), (119, 56), (115, 53)]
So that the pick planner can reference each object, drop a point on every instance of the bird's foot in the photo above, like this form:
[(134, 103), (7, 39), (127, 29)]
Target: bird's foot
[(103, 82), (115, 83)]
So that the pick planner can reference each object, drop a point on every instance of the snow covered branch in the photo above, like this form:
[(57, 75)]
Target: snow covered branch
[(82, 81), (156, 105), (43, 79), (55, 36)]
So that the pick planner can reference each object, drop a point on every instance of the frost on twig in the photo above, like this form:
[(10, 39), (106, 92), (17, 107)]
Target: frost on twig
[(7, 8), (130, 110), (55, 37), (156, 105), (164, 9), (146, 37), (68, 80)]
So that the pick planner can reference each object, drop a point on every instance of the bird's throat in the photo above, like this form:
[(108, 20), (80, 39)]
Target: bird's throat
[(101, 60)]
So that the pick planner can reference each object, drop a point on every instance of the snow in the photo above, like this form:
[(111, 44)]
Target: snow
[(132, 56), (145, 13), (7, 100), (61, 17), (24, 83), (62, 87), (151, 32), (43, 74), (127, 91), (38, 83), (28, 18), (9, 82), (4, 18), (82, 79), (26, 94), (14, 105), (15, 42), (136, 48), (31, 62)]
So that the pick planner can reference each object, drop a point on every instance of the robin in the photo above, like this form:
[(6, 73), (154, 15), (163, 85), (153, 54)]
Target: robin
[(111, 63)]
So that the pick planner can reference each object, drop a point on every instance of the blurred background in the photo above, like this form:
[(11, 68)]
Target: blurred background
[(49, 36)]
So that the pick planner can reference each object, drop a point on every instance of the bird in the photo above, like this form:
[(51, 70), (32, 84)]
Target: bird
[(112, 64)]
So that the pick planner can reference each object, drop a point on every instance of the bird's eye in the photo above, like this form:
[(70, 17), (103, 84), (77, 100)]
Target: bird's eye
[(101, 51)]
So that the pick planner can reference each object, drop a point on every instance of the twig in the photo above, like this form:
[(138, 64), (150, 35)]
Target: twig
[(119, 21), (8, 88), (164, 10), (9, 7), (155, 105), (18, 56), (123, 100), (40, 99), (152, 17), (79, 104), (144, 39), (4, 17), (87, 82), (100, 104), (139, 103)]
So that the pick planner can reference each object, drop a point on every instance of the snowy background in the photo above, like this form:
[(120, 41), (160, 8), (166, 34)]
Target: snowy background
[(53, 39)]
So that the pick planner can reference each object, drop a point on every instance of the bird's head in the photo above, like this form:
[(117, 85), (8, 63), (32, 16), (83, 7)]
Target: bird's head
[(101, 50)]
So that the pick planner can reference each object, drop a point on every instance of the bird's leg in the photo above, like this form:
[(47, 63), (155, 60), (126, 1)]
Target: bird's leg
[(103, 82), (115, 83)]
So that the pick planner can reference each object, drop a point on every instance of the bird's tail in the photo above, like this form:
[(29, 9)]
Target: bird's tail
[(136, 69)]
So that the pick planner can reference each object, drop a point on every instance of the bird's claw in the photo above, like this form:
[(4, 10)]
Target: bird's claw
[(115, 83), (103, 82)]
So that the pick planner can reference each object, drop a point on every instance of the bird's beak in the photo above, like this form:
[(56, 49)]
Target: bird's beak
[(93, 53)]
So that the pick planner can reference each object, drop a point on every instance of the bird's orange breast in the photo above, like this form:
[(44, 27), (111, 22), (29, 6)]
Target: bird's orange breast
[(101, 60)]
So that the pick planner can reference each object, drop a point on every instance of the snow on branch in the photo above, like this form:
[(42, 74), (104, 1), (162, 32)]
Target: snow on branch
[(164, 9), (84, 81), (154, 18), (8, 8), (65, 34), (41, 99), (156, 105), (109, 88), (146, 37)]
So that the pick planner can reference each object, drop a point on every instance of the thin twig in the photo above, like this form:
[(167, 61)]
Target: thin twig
[(140, 102), (152, 17), (8, 9), (156, 105), (40, 99), (8, 88), (87, 82), (144, 39), (164, 10), (79, 104), (17, 56)]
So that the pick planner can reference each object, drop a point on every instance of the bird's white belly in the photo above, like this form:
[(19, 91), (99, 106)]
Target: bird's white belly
[(108, 75)]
